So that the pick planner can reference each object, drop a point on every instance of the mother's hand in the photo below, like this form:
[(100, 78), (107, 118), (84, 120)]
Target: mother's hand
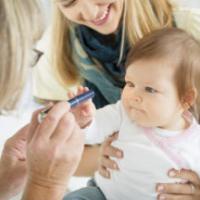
[(107, 151), (190, 190)]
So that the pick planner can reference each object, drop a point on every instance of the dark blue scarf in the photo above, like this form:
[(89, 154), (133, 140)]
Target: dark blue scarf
[(106, 49)]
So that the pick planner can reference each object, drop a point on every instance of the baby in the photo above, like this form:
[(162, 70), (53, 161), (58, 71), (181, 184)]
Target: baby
[(156, 118)]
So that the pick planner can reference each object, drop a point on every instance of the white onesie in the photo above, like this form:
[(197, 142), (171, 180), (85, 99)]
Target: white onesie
[(149, 153)]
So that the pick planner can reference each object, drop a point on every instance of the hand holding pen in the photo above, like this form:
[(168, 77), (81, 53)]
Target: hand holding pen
[(81, 106)]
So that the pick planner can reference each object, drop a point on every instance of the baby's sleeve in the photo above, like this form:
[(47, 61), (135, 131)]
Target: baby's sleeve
[(107, 120)]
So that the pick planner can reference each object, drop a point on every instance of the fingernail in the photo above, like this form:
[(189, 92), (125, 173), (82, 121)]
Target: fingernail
[(160, 188), (115, 166), (119, 154), (172, 173), (107, 175)]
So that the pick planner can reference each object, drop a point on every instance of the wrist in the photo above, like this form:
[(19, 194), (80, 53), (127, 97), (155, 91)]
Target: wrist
[(5, 186), (6, 192), (44, 189)]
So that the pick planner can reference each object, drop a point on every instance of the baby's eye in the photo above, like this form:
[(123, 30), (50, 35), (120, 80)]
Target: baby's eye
[(150, 90), (130, 84)]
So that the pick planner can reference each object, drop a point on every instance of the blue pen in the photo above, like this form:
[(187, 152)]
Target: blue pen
[(81, 98), (73, 102)]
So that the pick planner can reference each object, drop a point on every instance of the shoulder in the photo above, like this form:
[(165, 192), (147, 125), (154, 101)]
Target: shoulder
[(187, 16)]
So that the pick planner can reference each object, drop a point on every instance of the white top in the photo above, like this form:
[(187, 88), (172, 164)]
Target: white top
[(148, 154)]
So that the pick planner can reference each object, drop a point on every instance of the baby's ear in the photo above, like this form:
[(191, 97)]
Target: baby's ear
[(189, 98)]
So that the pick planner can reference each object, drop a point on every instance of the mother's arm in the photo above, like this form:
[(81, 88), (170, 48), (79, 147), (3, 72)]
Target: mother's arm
[(89, 161)]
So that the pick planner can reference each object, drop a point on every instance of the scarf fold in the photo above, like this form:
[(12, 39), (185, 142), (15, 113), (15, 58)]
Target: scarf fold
[(106, 50)]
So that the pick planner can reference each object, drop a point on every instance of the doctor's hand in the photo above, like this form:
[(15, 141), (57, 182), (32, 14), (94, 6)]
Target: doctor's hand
[(53, 151)]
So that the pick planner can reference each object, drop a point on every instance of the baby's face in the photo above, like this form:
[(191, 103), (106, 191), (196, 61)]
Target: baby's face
[(150, 96)]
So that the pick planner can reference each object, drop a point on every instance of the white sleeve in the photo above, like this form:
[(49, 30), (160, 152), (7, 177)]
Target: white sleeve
[(107, 121)]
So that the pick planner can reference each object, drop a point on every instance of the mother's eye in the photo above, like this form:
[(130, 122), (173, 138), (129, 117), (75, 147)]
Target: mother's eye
[(69, 3)]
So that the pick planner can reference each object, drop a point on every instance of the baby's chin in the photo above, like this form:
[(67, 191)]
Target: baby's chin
[(143, 123)]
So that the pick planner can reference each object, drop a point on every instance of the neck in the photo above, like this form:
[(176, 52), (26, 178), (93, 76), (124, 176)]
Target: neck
[(177, 123)]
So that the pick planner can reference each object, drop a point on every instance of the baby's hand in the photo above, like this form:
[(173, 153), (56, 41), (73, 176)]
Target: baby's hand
[(84, 113)]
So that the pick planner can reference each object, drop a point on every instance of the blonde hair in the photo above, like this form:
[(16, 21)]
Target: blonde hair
[(19, 29), (181, 51), (141, 17)]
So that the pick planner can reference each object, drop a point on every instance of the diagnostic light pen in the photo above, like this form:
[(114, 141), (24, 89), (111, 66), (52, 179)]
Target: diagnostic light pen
[(73, 102)]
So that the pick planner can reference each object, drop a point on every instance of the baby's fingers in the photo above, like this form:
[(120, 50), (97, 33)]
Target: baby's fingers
[(71, 94), (82, 89)]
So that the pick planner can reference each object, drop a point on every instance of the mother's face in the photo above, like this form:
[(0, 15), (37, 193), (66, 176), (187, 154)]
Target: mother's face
[(102, 16)]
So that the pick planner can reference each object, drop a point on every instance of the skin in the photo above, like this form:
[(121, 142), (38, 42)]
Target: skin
[(89, 12)]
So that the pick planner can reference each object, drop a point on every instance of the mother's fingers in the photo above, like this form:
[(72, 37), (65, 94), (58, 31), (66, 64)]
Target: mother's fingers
[(175, 188), (104, 172), (108, 163), (112, 151), (108, 150), (175, 197), (185, 174)]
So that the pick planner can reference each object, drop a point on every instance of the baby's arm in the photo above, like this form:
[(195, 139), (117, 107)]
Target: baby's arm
[(96, 124)]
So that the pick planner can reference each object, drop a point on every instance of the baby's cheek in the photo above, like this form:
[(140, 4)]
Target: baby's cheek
[(155, 112), (125, 102)]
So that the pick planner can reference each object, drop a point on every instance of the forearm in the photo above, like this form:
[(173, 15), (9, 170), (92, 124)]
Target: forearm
[(89, 161)]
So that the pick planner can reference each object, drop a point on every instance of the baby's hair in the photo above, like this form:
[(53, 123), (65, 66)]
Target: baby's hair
[(180, 50)]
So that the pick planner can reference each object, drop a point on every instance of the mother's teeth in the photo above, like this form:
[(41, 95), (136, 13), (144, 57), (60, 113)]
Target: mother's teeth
[(103, 16)]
